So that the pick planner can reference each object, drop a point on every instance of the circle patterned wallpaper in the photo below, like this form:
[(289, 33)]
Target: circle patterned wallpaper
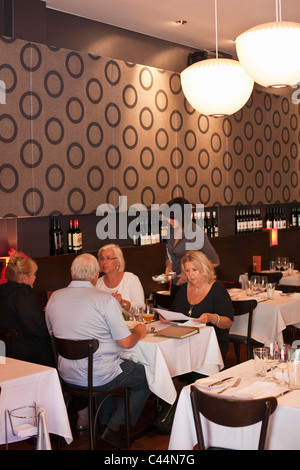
[(79, 130)]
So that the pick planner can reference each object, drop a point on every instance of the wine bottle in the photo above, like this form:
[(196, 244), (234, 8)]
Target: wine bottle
[(77, 238), (70, 237), (214, 225), (60, 238), (56, 237)]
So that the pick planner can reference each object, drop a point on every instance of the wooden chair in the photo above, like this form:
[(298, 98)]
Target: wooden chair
[(161, 300), (80, 349), (8, 336), (231, 413), (242, 307)]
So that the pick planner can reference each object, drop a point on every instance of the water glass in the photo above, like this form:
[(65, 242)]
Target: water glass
[(260, 361), (290, 269), (271, 290), (137, 313), (248, 288), (293, 364), (272, 266)]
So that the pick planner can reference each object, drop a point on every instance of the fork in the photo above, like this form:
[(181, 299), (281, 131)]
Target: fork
[(236, 384)]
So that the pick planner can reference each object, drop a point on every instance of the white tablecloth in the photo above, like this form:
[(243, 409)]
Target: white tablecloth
[(283, 431), (270, 317), (165, 358), (22, 384), (292, 280)]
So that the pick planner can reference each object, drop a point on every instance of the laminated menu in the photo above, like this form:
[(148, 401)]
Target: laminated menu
[(178, 331)]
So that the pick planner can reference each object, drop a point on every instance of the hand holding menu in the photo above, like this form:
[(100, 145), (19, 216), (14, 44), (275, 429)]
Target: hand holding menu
[(171, 316)]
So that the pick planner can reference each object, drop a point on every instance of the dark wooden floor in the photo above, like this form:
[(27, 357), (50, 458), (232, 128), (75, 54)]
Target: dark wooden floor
[(150, 440)]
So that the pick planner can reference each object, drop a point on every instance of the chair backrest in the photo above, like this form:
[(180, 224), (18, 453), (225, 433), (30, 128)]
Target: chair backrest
[(8, 336), (230, 412), (76, 349), (162, 300), (241, 307), (231, 284), (273, 277)]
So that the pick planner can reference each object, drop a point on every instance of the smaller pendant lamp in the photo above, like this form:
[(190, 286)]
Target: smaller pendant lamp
[(216, 87)]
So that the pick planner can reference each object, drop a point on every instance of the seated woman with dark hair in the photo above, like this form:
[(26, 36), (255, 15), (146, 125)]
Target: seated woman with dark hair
[(19, 310)]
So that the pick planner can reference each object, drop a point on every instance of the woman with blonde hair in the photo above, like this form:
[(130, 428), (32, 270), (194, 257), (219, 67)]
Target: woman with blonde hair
[(203, 298), (19, 310), (123, 285)]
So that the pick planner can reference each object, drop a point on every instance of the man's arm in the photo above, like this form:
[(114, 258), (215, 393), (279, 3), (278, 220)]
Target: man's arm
[(138, 333)]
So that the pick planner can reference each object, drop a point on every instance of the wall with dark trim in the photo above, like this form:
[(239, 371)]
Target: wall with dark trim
[(79, 130)]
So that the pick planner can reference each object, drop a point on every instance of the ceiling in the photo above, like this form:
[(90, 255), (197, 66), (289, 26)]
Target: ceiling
[(158, 18)]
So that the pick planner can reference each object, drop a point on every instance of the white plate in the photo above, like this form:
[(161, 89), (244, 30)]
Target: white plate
[(162, 278), (234, 291), (163, 292)]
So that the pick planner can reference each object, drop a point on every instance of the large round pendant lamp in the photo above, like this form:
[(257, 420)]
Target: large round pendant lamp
[(270, 53), (216, 87)]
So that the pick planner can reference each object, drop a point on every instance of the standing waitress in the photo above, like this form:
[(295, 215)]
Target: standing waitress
[(180, 220)]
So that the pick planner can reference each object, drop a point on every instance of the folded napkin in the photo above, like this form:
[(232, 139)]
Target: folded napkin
[(255, 389)]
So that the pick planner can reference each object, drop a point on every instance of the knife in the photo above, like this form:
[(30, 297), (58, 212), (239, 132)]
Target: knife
[(283, 393), (220, 381)]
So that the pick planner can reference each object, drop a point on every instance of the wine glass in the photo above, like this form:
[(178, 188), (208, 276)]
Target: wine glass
[(263, 283), (278, 263), (254, 281), (273, 353), (285, 263), (280, 373)]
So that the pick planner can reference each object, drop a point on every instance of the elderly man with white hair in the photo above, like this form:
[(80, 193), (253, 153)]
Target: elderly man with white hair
[(81, 311)]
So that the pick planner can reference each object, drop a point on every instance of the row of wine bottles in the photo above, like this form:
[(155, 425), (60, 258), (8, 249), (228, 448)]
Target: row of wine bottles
[(251, 220), (155, 229), (56, 237), (208, 221), (248, 220)]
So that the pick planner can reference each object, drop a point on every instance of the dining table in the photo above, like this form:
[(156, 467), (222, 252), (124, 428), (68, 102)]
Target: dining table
[(270, 317), (284, 424), (25, 384), (292, 279), (165, 358)]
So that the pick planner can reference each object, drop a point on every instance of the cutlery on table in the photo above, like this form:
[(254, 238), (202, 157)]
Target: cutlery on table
[(220, 381), (236, 384), (283, 393)]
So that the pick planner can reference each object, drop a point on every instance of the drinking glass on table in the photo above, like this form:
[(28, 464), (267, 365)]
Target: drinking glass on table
[(290, 269), (278, 263), (254, 281), (272, 266), (271, 290), (137, 313), (148, 315), (263, 283), (272, 347), (285, 263), (280, 372), (260, 361)]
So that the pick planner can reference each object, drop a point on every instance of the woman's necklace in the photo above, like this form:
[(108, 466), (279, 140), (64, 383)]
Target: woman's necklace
[(190, 310), (199, 294)]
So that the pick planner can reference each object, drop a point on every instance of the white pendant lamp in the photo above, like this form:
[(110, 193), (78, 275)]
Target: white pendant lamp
[(216, 87), (270, 52)]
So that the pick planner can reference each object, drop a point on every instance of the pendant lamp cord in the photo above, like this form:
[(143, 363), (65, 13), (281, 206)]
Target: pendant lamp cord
[(278, 10), (216, 29)]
